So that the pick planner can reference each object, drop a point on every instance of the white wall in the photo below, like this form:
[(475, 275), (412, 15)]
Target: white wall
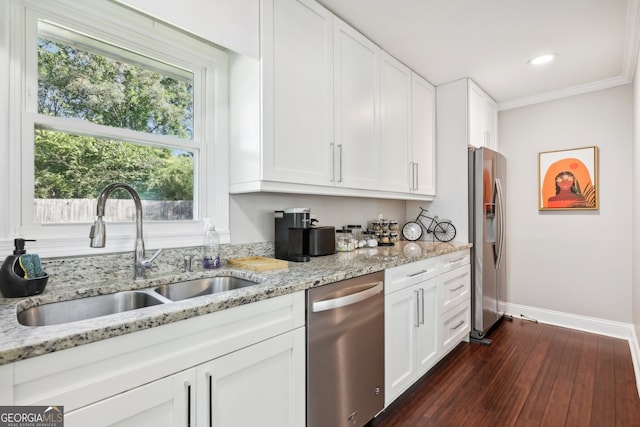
[(251, 215), (575, 262)]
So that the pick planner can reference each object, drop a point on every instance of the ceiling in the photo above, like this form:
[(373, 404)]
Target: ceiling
[(491, 41)]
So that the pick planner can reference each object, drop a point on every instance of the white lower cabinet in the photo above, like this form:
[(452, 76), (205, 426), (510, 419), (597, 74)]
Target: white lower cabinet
[(165, 402), (237, 367), (455, 320), (427, 308), (410, 336), (263, 385)]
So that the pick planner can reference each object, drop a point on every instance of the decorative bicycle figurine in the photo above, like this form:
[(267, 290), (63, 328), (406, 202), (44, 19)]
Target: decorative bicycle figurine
[(443, 230)]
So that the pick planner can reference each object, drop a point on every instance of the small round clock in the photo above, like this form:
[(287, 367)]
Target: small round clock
[(412, 231)]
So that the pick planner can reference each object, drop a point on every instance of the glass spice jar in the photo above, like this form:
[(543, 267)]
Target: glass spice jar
[(369, 238), (345, 241)]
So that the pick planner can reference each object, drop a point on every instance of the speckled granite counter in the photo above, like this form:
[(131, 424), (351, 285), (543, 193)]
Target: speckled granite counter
[(67, 281)]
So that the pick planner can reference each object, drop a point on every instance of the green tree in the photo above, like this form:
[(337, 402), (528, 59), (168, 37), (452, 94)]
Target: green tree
[(76, 83)]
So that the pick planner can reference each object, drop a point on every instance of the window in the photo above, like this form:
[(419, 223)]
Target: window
[(110, 95), (86, 79)]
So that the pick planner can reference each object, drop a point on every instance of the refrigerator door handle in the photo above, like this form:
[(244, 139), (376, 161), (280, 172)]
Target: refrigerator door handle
[(501, 222)]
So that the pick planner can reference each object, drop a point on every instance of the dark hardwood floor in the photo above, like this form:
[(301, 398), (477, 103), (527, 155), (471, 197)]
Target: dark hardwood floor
[(531, 375)]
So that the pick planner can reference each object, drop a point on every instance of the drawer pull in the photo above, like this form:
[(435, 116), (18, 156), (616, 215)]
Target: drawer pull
[(417, 293), (455, 261), (456, 289), (187, 386), (458, 325), (422, 304), (418, 273)]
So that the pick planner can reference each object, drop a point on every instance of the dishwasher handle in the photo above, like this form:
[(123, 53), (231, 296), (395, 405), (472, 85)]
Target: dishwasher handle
[(330, 304)]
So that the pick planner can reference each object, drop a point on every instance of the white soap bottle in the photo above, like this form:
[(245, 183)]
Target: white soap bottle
[(211, 256)]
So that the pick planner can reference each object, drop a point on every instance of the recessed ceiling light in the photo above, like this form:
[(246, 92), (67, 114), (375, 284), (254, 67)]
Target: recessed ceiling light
[(542, 59)]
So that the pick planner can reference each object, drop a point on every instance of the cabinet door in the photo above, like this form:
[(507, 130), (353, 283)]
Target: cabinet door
[(400, 325), (298, 92), (395, 114), (167, 402), (490, 120), (261, 385), (427, 331), (423, 136), (356, 103), (483, 118)]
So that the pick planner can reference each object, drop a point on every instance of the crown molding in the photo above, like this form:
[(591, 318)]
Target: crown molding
[(563, 93), (629, 63)]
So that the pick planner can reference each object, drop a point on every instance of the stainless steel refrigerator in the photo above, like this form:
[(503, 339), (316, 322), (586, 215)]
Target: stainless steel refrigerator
[(487, 231)]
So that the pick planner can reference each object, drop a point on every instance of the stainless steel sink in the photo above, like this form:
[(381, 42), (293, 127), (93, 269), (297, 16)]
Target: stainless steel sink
[(56, 313), (195, 288)]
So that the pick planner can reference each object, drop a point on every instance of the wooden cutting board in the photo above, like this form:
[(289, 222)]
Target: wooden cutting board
[(258, 263)]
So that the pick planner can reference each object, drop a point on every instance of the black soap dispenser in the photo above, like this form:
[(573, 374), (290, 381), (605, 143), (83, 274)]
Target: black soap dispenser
[(13, 282)]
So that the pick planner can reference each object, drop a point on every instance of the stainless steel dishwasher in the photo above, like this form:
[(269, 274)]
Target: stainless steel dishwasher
[(345, 352)]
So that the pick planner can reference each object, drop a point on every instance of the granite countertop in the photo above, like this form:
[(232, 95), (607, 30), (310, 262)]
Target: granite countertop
[(18, 342)]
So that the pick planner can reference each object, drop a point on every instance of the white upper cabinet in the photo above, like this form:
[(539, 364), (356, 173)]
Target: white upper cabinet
[(229, 23), (423, 136), (297, 92), (306, 117), (407, 130), (483, 118), (397, 171), (356, 105)]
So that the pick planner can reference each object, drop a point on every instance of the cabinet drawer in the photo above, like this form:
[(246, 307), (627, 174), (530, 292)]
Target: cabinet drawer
[(403, 276), (454, 327), (454, 260), (455, 288)]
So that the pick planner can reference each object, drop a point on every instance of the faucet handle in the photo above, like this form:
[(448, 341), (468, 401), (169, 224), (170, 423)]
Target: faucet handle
[(147, 263)]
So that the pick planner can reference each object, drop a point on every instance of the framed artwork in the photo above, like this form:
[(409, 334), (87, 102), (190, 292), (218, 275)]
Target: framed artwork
[(568, 179)]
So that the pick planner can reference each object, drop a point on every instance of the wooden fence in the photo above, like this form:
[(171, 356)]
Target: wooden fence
[(50, 211)]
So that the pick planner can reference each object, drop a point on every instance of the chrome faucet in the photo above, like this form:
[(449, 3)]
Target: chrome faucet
[(98, 229)]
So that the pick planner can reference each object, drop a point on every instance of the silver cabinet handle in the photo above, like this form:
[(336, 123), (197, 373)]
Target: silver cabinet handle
[(422, 304), (458, 325), (411, 177), (340, 162), (456, 289), (417, 273), (332, 149), (330, 304), (417, 293), (416, 178)]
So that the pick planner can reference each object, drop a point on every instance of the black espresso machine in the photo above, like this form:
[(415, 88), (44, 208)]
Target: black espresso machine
[(297, 239)]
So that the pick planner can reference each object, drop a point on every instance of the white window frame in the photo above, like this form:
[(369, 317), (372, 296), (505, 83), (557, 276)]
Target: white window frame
[(119, 25)]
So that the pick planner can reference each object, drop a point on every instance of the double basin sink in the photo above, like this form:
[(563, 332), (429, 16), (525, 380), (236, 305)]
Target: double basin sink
[(56, 313)]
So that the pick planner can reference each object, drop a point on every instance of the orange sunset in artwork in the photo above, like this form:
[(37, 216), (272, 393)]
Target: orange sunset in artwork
[(567, 183)]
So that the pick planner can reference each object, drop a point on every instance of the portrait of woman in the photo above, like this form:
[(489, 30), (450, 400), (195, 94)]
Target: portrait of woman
[(568, 179)]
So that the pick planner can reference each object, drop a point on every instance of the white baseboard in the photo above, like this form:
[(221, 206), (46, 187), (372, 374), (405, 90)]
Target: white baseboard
[(583, 323), (635, 357)]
